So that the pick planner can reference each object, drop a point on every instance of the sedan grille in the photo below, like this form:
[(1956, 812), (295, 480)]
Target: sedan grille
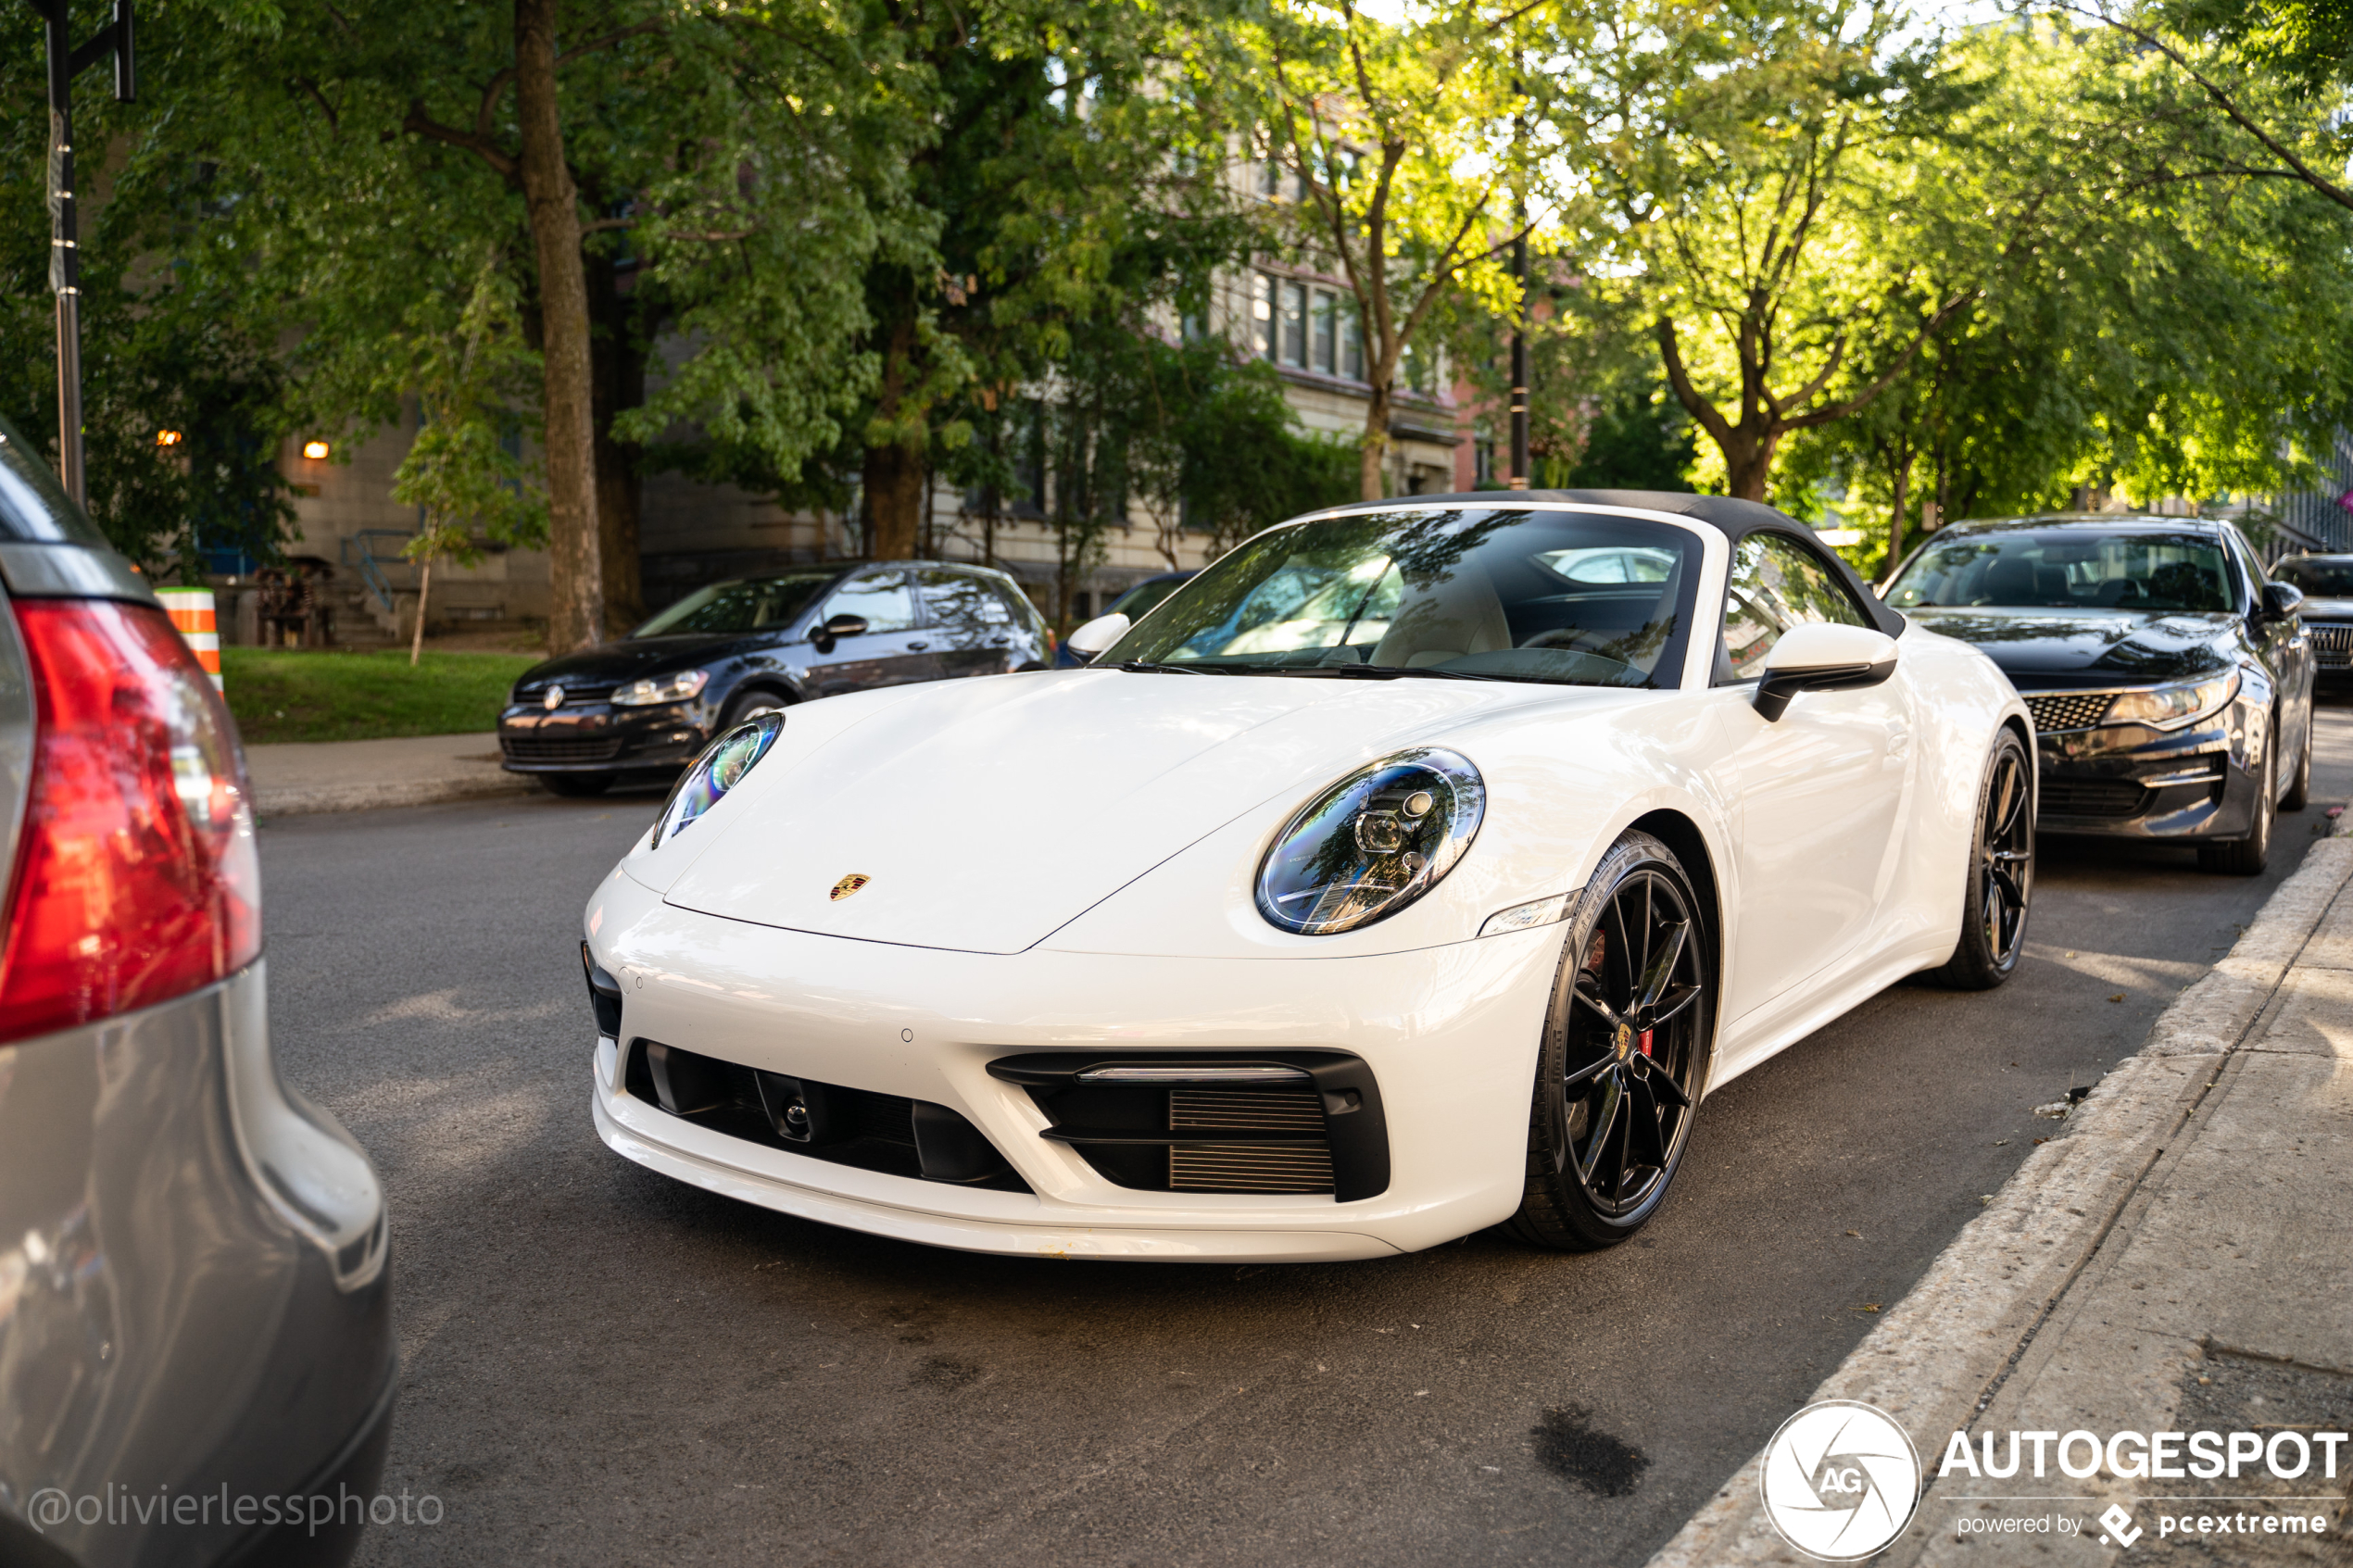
[(543, 748), (2333, 646), (2068, 710), (2106, 798)]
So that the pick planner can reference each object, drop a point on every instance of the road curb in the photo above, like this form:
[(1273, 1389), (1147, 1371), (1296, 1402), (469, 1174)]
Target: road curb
[(296, 800), (1941, 1354)]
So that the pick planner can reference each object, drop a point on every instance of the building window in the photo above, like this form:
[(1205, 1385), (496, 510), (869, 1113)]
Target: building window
[(1295, 325), (1261, 314), (1270, 177), (1327, 330), (1352, 343), (1483, 460)]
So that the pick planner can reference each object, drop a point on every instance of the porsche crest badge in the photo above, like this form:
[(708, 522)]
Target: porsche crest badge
[(848, 886)]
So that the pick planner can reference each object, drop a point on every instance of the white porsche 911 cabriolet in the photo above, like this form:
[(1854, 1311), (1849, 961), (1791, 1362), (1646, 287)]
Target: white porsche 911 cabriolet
[(1418, 867)]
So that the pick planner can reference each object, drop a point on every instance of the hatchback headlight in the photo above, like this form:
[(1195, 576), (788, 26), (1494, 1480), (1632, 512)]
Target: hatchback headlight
[(2169, 707), (717, 770), (1372, 843), (662, 688)]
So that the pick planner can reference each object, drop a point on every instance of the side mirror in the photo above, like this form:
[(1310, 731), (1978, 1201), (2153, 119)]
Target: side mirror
[(1822, 658), (2280, 598), (1097, 635), (834, 629)]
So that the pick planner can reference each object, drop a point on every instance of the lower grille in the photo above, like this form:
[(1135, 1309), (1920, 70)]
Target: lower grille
[(2108, 798), (874, 1132), (2333, 646), (1293, 1122), (2068, 710), (540, 748)]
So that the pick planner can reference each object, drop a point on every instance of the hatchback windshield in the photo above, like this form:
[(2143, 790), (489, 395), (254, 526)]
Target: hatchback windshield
[(1508, 594), (2328, 579), (2067, 568), (747, 604)]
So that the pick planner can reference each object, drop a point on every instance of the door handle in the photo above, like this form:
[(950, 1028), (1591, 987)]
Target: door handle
[(917, 648)]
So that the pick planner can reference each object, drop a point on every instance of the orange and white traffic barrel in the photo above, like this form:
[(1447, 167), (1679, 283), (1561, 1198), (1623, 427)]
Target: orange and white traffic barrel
[(191, 612)]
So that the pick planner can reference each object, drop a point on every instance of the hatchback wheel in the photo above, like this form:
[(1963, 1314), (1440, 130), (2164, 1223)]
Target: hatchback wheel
[(2248, 855)]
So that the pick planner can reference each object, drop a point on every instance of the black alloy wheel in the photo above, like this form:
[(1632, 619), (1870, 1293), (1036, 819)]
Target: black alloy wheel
[(744, 707), (2248, 855), (2001, 874), (1627, 1046), (2299, 792)]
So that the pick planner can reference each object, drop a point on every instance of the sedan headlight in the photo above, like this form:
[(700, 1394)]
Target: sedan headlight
[(1372, 843), (662, 688), (2169, 707), (717, 770)]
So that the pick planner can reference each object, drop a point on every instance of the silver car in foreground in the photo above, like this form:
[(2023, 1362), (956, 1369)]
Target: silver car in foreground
[(196, 1356)]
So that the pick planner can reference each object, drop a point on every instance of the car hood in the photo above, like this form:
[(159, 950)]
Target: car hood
[(986, 814), (631, 659), (2315, 607), (2058, 647)]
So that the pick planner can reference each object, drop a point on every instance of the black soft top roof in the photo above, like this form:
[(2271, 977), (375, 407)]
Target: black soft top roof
[(1735, 518)]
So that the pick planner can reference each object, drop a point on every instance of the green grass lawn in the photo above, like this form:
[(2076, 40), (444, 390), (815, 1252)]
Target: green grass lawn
[(282, 694)]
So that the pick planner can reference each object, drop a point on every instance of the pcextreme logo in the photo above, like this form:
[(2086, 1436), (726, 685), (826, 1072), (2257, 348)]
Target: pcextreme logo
[(1840, 1480)]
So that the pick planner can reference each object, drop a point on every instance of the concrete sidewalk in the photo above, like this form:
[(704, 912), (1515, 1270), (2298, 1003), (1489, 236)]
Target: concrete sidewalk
[(2177, 1258), (353, 775)]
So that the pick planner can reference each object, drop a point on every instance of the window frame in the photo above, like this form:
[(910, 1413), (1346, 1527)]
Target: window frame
[(1724, 674)]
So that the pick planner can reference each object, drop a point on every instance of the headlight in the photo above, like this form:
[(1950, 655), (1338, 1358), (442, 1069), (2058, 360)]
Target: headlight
[(717, 770), (662, 688), (1372, 844), (2169, 707)]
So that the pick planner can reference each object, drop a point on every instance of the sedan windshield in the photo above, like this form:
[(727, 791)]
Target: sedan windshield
[(2327, 578), (1506, 594), (747, 604), (2067, 568)]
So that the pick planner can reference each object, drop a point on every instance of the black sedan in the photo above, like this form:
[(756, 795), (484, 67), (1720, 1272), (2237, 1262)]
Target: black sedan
[(750, 645), (2168, 676), (2327, 583)]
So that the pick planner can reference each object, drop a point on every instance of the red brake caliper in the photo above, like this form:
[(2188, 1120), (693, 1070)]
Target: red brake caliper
[(1644, 1043)]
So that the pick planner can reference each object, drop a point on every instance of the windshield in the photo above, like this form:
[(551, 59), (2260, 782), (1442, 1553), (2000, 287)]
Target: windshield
[(2325, 578), (1143, 598), (2067, 568), (1519, 595), (748, 604)]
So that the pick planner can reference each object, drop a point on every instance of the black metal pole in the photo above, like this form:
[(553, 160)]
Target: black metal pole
[(1519, 361), (65, 62)]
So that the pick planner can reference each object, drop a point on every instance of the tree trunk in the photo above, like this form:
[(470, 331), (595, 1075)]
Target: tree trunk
[(576, 544), (1372, 478), (619, 385), (417, 636), (894, 467), (1748, 463)]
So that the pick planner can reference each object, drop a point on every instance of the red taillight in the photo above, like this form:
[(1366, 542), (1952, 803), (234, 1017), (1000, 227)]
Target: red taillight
[(136, 878)]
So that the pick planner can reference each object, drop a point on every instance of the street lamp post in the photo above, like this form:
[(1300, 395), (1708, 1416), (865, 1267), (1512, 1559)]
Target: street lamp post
[(65, 62)]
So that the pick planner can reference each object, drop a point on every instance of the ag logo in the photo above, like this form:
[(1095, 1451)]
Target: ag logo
[(1840, 1480), (848, 886)]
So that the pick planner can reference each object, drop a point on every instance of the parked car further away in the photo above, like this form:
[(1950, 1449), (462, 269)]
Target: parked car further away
[(193, 1295), (2170, 677), (2326, 582), (1139, 600), (736, 649), (1435, 899)]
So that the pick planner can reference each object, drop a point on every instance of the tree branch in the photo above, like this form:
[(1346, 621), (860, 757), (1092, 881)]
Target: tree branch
[(420, 123)]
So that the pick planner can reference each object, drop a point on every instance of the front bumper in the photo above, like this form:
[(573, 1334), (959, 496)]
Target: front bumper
[(2129, 781), (1449, 1034), (597, 737)]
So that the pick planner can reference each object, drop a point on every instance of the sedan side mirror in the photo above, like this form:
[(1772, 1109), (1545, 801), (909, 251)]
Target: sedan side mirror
[(1823, 657), (837, 627), (1097, 635), (2280, 598)]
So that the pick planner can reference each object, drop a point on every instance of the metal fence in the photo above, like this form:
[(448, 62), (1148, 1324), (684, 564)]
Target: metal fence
[(2321, 519)]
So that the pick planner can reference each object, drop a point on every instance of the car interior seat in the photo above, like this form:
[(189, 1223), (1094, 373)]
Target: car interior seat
[(1455, 615), (2009, 581)]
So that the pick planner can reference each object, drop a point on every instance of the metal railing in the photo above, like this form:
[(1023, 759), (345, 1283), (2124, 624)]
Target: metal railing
[(369, 564)]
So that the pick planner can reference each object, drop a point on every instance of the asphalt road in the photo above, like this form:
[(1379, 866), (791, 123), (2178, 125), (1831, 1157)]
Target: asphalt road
[(604, 1366)]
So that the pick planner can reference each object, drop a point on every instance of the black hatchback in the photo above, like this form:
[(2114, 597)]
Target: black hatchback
[(749, 646), (2170, 678)]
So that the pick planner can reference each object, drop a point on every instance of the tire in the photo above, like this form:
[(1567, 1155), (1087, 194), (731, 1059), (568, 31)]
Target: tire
[(575, 785), (2300, 794), (2248, 855), (744, 707), (2000, 891), (1628, 1042)]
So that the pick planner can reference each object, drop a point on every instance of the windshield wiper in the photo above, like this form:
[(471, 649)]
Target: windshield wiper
[(1143, 666), (1380, 672)]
